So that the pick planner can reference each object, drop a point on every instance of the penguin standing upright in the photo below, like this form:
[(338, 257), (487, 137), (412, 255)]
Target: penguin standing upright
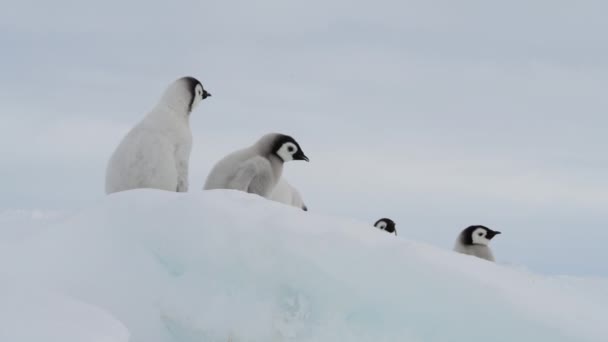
[(255, 169), (474, 240), (156, 152)]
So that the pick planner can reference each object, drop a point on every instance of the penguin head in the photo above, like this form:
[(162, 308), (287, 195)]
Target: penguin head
[(477, 235), (287, 148), (387, 225), (185, 94), (198, 94)]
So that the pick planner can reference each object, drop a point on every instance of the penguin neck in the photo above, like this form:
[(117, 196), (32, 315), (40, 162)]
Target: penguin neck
[(171, 112), (177, 100), (482, 251), (479, 249), (277, 165)]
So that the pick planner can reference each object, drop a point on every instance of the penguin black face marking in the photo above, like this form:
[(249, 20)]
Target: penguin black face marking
[(387, 225), (477, 235), (196, 91), (286, 148)]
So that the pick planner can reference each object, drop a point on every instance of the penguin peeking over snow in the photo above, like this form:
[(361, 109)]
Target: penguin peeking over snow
[(474, 240), (387, 225), (257, 168)]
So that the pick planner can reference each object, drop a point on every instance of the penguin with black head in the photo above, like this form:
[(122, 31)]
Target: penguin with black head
[(475, 240)]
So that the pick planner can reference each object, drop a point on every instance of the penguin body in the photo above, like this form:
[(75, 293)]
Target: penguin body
[(156, 152), (285, 193), (255, 169), (475, 240)]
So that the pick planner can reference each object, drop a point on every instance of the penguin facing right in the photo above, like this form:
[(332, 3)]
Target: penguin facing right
[(474, 240), (255, 169), (286, 193), (387, 225), (156, 152)]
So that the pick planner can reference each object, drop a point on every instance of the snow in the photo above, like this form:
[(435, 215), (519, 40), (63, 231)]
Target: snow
[(28, 314), (228, 266), (19, 224)]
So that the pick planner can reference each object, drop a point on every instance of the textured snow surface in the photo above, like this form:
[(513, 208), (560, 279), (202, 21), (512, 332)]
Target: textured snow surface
[(228, 266)]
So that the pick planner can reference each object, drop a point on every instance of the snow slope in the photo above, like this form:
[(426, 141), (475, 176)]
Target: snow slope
[(31, 315), (228, 266)]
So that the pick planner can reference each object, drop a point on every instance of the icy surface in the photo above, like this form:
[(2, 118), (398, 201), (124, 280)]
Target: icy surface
[(229, 266), (30, 315), (19, 224)]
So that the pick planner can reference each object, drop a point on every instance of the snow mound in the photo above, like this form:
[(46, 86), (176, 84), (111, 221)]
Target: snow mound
[(228, 266), (29, 315)]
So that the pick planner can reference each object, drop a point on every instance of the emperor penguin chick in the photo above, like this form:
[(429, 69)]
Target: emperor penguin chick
[(257, 168), (474, 240), (156, 152), (387, 225), (286, 193)]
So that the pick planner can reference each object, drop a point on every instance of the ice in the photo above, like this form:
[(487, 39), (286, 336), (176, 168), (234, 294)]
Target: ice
[(228, 266), (19, 224), (33, 315)]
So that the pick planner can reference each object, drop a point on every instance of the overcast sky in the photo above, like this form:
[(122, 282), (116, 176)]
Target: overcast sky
[(438, 114)]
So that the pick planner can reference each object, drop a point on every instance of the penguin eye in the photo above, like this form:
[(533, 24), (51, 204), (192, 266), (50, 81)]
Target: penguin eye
[(290, 149), (480, 234)]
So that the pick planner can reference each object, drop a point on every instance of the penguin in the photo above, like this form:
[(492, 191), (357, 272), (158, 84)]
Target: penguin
[(387, 225), (285, 193), (474, 240), (156, 152), (255, 169)]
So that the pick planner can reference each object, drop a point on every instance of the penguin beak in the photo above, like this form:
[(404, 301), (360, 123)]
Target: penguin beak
[(206, 94), (300, 156), (492, 234)]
